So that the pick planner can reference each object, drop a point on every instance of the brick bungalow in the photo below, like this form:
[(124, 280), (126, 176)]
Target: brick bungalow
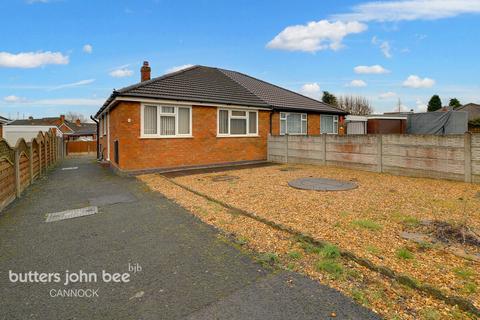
[(203, 116)]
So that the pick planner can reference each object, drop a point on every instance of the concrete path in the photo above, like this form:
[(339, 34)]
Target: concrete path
[(187, 271)]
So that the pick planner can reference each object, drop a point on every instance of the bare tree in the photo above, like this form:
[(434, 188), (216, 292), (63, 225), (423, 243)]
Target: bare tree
[(355, 105), (73, 116)]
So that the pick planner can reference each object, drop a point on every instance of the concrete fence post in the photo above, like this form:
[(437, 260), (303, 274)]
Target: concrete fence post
[(30, 158), (286, 147), (379, 153), (17, 173), (324, 149), (468, 156)]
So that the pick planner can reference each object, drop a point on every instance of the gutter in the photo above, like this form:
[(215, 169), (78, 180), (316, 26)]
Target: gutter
[(98, 136)]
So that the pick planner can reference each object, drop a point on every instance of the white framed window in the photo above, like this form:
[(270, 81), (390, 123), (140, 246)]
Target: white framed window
[(329, 124), (235, 123), (293, 123), (104, 125), (100, 126), (164, 121)]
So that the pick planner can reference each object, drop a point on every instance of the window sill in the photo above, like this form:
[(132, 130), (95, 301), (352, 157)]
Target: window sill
[(166, 137), (294, 134), (237, 136)]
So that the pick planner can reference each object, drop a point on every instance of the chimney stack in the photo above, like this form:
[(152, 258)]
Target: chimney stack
[(78, 122), (62, 118), (145, 71)]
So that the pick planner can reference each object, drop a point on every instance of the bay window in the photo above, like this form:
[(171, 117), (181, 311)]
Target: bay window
[(165, 121), (329, 124), (237, 122), (293, 123)]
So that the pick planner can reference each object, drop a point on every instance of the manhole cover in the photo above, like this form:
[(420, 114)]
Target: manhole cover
[(320, 184)]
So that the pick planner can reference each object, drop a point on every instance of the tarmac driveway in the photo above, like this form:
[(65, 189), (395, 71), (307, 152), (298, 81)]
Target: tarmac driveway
[(187, 270)]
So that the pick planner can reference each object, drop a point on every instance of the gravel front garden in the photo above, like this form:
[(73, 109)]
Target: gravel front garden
[(426, 229)]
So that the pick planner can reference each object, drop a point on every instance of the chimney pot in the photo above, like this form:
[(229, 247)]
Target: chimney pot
[(145, 71)]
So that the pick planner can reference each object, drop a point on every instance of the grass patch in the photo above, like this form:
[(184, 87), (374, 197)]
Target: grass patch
[(430, 314), (310, 248), (405, 254), (268, 259), (410, 221), (330, 251), (463, 273), (359, 296), (242, 241), (331, 267), (470, 287), (367, 224), (294, 255), (373, 250)]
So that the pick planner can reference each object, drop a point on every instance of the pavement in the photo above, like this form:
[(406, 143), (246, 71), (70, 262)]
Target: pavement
[(184, 269)]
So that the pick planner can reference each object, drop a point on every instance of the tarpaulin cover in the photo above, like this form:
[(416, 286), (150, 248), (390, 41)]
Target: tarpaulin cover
[(451, 122)]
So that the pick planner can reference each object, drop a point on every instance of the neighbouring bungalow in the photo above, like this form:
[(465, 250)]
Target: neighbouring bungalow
[(203, 116), (3, 122), (29, 128)]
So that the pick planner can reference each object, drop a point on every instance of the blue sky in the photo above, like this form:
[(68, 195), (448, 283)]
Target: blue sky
[(67, 55)]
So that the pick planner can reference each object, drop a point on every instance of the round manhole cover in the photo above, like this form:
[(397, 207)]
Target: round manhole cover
[(321, 184)]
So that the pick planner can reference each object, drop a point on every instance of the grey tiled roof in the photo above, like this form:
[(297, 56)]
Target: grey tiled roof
[(82, 129), (215, 85), (34, 122)]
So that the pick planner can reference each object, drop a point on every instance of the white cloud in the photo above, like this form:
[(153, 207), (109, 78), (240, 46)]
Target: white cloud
[(416, 82), (421, 107), (54, 102), (121, 72), (410, 10), (88, 48), (375, 69), (315, 36), (178, 68), (383, 45), (357, 84), (31, 59), (387, 95), (74, 84), (14, 99), (311, 90), (385, 48), (70, 102)]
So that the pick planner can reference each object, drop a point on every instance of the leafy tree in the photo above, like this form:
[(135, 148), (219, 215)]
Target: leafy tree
[(329, 98), (455, 103), (355, 105), (434, 104)]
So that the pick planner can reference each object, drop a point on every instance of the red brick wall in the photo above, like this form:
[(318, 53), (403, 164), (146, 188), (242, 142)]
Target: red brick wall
[(204, 148)]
